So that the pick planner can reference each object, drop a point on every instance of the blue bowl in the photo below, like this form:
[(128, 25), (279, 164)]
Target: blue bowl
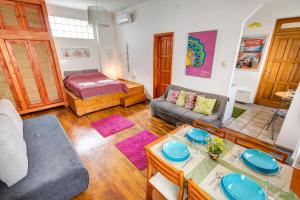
[(198, 135), (260, 160), (239, 187), (175, 151)]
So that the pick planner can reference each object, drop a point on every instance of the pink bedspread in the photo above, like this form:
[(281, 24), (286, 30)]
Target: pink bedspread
[(93, 84)]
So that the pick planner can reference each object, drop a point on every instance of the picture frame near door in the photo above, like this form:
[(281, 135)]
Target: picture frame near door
[(251, 52), (282, 67), (162, 62)]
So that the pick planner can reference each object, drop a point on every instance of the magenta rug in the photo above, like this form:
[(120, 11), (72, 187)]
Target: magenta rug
[(111, 125), (134, 148)]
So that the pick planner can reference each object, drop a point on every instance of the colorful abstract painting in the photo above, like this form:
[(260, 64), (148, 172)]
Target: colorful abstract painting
[(200, 53)]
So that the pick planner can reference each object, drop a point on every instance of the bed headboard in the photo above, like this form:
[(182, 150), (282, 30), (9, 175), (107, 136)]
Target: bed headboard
[(68, 73)]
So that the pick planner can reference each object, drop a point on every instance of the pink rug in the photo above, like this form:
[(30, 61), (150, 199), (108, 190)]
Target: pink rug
[(111, 125), (134, 148)]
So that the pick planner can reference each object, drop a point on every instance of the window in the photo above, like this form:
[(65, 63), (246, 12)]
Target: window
[(70, 28)]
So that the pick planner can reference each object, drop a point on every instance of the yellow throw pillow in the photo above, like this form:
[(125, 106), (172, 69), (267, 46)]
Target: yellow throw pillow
[(181, 98), (204, 105)]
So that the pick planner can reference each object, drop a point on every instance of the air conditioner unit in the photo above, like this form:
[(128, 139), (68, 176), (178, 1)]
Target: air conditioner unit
[(124, 18), (98, 15)]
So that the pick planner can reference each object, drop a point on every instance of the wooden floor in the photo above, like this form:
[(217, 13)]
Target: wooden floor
[(112, 175)]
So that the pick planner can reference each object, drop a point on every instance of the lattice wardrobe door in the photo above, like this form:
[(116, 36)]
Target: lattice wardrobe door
[(33, 17), (7, 89), (26, 73), (45, 63), (9, 16)]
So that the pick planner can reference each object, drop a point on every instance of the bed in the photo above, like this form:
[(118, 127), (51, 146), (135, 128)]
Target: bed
[(89, 90)]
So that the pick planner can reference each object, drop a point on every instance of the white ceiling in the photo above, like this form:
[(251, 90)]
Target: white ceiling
[(110, 5)]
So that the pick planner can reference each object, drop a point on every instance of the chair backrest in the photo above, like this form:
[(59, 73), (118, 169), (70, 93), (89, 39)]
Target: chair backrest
[(278, 155), (241, 140), (171, 173), (209, 128), (195, 192)]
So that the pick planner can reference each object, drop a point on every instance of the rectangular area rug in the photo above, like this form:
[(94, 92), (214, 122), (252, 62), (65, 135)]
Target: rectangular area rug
[(134, 148), (111, 125)]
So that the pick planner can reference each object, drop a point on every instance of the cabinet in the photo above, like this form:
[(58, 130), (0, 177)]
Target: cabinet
[(29, 71)]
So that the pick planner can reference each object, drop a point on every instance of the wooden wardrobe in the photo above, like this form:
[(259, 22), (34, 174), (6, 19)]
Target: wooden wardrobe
[(29, 70)]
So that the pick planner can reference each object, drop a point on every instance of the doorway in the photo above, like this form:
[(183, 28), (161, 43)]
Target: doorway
[(282, 68), (162, 63), (260, 111)]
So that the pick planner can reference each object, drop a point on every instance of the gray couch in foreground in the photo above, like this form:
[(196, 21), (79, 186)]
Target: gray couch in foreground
[(55, 171), (176, 114)]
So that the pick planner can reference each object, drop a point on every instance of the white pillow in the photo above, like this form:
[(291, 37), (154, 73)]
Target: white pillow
[(7, 108), (13, 153)]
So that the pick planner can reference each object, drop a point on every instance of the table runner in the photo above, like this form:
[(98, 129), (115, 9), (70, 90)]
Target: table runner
[(202, 169)]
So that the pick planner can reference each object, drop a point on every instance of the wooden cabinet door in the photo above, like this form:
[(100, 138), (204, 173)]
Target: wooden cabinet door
[(7, 89), (44, 62), (26, 72), (32, 15), (10, 16)]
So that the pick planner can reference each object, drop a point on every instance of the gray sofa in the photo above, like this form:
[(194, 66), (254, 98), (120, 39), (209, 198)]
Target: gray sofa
[(55, 171), (176, 114)]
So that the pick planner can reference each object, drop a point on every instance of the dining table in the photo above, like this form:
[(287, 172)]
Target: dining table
[(207, 173)]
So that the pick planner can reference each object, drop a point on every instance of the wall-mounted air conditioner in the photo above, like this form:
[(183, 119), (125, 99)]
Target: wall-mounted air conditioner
[(124, 18)]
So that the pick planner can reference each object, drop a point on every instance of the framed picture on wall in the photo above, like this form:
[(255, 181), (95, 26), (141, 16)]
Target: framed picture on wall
[(250, 53), (200, 53)]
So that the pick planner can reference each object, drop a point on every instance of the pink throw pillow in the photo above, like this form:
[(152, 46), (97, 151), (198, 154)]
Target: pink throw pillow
[(172, 96), (190, 101)]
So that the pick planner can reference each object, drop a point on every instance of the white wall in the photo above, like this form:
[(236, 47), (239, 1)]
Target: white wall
[(73, 63), (267, 15), (290, 132), (182, 17)]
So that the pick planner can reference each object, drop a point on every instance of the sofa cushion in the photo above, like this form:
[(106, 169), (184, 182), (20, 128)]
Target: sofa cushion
[(181, 98), (172, 96), (13, 153), (55, 171), (204, 105), (190, 101), (7, 108)]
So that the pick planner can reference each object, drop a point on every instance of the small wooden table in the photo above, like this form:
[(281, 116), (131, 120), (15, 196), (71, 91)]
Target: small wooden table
[(202, 169)]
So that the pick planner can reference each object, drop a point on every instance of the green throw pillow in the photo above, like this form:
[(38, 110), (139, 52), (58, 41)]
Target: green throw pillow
[(181, 98), (204, 105)]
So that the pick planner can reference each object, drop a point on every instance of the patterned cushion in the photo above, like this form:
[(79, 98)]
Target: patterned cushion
[(172, 96), (204, 105), (181, 98), (190, 101)]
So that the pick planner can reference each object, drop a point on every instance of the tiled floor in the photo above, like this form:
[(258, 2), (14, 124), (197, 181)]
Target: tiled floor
[(254, 122)]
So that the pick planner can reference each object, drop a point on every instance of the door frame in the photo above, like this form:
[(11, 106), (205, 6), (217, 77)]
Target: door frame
[(277, 30), (155, 59)]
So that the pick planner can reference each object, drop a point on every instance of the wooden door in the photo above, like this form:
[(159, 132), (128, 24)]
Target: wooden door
[(282, 68), (163, 54)]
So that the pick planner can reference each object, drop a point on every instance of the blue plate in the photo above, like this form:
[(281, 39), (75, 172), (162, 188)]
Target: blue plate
[(260, 160), (258, 170), (240, 187), (198, 135), (175, 151)]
